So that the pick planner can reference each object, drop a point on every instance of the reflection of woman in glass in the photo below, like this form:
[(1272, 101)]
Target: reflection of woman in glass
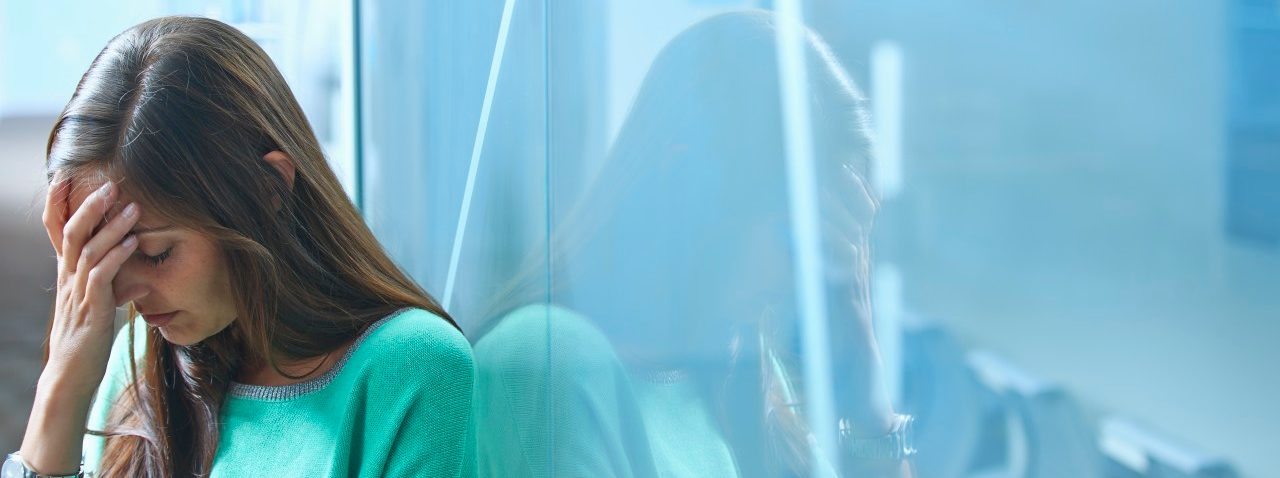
[(280, 338), (672, 346)]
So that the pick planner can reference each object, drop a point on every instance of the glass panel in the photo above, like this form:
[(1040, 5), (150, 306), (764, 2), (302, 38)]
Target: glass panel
[(708, 251), (453, 166), (1073, 218), (701, 239)]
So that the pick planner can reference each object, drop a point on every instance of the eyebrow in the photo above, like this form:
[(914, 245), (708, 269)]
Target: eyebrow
[(136, 230), (150, 230)]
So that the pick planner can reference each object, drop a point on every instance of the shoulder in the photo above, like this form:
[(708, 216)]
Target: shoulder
[(418, 331), (534, 328), (526, 338), (544, 353), (414, 386), (417, 345)]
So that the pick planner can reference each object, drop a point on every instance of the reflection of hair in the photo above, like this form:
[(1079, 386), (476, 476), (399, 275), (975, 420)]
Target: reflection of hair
[(700, 159), (181, 110)]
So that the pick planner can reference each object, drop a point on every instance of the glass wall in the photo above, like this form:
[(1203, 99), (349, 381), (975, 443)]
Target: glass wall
[(736, 238)]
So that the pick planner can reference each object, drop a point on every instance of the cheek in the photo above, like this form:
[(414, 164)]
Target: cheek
[(203, 272), (214, 274), (194, 273)]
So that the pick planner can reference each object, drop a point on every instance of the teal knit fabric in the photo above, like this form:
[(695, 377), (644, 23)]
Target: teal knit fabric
[(555, 401), (399, 403)]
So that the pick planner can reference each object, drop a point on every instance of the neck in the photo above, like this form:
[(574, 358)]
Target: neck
[(260, 373)]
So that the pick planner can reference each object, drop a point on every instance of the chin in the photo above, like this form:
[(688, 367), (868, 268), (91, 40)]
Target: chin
[(177, 339), (190, 332)]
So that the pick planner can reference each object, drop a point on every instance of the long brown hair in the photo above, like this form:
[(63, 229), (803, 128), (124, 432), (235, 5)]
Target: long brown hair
[(180, 111)]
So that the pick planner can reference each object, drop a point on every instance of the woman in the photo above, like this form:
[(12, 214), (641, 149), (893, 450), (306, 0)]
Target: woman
[(670, 347), (280, 339)]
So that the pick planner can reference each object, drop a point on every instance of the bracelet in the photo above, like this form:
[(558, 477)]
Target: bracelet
[(16, 467), (897, 445)]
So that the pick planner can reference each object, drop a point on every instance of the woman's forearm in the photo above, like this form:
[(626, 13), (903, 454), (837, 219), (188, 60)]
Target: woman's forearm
[(55, 430), (862, 401)]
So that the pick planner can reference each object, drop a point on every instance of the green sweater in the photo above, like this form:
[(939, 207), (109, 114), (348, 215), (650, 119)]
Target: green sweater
[(555, 401), (398, 403)]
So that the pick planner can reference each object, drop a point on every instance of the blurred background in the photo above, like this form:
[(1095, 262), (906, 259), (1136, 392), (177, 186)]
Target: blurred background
[(1074, 268)]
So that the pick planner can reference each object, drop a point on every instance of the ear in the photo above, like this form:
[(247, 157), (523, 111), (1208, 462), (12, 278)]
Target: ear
[(283, 163)]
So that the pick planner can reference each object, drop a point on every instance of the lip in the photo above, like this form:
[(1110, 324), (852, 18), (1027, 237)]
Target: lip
[(159, 320)]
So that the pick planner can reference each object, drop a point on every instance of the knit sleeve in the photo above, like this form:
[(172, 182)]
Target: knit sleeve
[(427, 369)]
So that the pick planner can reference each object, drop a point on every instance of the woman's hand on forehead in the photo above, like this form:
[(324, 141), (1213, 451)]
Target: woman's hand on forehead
[(82, 189)]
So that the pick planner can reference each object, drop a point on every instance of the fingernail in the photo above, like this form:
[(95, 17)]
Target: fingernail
[(130, 240), (105, 189), (130, 210)]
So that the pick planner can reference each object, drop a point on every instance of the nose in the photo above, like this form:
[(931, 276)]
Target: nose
[(131, 282)]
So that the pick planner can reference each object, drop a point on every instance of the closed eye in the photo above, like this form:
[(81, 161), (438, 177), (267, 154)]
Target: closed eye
[(155, 261)]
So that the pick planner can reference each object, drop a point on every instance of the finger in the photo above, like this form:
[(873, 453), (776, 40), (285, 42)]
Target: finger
[(55, 209), (98, 286), (80, 226), (107, 237)]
